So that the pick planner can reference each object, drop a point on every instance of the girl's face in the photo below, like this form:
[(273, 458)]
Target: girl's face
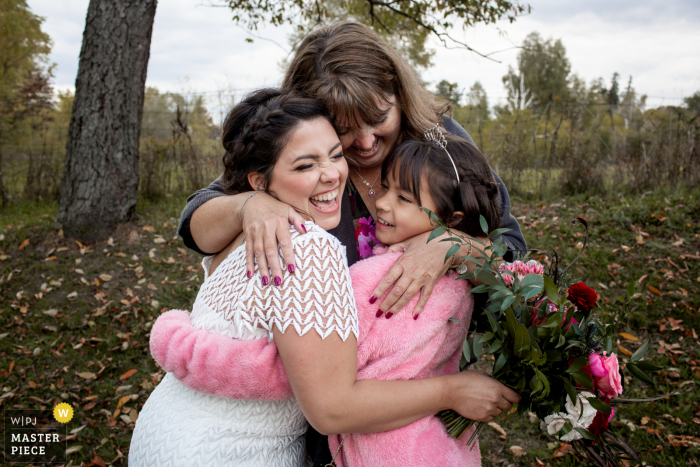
[(310, 173), (399, 216), (368, 145)]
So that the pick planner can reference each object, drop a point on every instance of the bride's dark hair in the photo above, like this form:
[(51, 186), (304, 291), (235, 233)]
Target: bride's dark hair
[(257, 129)]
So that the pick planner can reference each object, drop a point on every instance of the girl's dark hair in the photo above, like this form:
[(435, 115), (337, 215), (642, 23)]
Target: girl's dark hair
[(257, 129), (477, 194)]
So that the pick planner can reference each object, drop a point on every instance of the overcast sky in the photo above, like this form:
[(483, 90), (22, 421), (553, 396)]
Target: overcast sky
[(197, 48)]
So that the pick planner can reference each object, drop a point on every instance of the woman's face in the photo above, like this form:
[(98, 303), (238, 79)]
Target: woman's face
[(366, 145), (310, 173), (399, 215)]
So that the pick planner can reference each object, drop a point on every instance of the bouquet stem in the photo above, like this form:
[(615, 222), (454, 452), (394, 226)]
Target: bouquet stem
[(456, 425)]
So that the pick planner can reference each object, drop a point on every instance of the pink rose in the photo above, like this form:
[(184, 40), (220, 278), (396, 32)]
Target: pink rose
[(597, 366), (610, 385)]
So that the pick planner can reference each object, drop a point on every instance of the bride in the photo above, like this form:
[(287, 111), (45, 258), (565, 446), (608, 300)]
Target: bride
[(284, 144)]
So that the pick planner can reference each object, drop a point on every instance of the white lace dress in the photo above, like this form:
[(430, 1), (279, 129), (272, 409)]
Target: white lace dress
[(182, 427)]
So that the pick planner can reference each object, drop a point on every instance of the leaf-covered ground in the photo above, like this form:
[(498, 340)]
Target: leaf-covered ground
[(75, 319)]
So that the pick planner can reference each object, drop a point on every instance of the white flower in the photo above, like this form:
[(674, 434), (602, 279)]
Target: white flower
[(555, 422), (581, 420)]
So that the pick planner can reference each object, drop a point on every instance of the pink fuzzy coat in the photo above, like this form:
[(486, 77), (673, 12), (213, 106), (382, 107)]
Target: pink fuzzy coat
[(399, 348)]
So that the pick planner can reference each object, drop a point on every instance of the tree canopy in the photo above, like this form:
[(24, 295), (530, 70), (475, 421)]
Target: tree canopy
[(405, 24)]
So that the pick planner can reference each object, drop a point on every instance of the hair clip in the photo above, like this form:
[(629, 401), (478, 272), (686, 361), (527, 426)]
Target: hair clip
[(435, 135)]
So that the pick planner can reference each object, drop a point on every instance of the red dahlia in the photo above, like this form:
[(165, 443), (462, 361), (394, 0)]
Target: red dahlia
[(582, 296)]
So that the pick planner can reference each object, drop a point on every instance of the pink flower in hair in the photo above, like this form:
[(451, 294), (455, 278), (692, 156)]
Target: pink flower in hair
[(366, 238)]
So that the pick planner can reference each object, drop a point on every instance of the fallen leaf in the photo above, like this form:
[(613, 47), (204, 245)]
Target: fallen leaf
[(123, 400), (127, 375), (517, 451), (24, 244), (645, 420), (72, 295), (148, 227), (627, 336), (159, 240), (73, 449), (86, 375), (97, 462), (641, 279), (105, 277), (654, 290), (624, 350), (89, 405), (52, 312), (498, 428), (639, 240)]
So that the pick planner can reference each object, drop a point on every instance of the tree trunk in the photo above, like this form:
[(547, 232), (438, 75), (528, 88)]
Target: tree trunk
[(101, 176)]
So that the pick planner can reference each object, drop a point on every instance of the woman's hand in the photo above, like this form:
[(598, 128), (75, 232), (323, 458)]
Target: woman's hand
[(416, 271), (479, 397), (266, 225)]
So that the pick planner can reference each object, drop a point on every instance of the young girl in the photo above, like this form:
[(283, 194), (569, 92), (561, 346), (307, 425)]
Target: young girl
[(461, 188), (283, 144)]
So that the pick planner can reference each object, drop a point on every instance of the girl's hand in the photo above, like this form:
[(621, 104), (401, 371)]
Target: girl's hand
[(479, 397), (266, 225), (417, 270)]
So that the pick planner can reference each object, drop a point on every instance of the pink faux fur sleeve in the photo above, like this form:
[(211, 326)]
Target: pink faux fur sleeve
[(216, 364)]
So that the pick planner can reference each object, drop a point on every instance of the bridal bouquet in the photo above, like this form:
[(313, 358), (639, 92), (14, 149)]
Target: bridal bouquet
[(549, 345)]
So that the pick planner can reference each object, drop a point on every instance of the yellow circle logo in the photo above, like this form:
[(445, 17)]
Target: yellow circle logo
[(63, 413)]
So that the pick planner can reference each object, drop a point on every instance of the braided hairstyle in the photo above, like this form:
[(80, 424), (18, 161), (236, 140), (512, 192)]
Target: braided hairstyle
[(256, 131), (476, 194)]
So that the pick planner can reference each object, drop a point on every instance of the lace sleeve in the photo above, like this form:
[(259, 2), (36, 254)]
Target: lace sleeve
[(318, 296)]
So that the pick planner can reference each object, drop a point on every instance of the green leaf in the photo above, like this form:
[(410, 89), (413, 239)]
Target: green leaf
[(599, 405), (466, 351), (500, 361), (478, 346), (648, 366), (554, 355), (487, 277), (507, 302), (496, 346), (453, 250), (551, 290), (641, 351), (522, 340), (630, 290), (562, 341), (500, 294), (484, 224), (487, 337), (583, 379), (586, 434), (570, 389), (553, 321), (577, 364), (498, 232), (454, 320), (532, 279), (511, 321), (436, 233), (639, 374), (480, 288), (565, 429), (608, 344)]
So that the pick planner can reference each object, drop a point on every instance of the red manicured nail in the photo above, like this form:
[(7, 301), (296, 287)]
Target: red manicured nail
[(265, 280), (379, 313), (389, 315), (303, 227), (416, 316), (249, 274), (290, 268), (278, 281), (372, 299)]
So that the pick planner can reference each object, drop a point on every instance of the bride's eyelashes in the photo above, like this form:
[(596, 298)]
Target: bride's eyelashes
[(334, 158)]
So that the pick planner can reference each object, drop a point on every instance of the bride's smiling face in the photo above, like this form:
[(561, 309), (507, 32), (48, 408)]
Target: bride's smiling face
[(310, 173)]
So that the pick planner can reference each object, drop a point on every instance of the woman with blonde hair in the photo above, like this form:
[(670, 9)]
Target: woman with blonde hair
[(375, 100)]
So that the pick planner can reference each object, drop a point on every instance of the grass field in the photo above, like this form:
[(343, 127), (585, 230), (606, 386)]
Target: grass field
[(75, 319)]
